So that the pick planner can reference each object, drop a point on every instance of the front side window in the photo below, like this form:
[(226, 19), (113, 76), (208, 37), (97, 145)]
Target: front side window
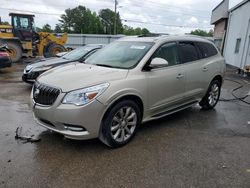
[(168, 52), (188, 52), (120, 54), (237, 46)]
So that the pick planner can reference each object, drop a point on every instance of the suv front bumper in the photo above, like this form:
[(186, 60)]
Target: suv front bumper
[(74, 122)]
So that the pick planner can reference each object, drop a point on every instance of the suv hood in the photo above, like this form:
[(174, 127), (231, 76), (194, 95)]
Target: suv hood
[(78, 75)]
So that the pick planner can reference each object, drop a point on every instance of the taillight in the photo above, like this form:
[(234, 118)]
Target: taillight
[(4, 54)]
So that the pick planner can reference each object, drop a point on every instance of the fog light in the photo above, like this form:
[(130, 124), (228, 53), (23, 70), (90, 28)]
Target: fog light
[(75, 128)]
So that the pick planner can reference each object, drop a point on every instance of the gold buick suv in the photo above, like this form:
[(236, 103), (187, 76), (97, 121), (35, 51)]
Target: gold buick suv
[(130, 81)]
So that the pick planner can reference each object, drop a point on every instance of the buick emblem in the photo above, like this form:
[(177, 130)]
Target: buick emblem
[(36, 93)]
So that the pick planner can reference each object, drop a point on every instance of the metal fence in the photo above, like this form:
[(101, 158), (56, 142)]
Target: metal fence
[(76, 40)]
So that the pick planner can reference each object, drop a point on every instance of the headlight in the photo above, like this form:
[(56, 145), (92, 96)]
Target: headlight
[(41, 69), (85, 95), (28, 68)]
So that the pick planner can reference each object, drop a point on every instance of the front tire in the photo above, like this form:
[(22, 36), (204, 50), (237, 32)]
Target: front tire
[(212, 96), (120, 124)]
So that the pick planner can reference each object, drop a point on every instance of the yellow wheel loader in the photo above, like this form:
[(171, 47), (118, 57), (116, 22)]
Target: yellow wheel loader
[(23, 40)]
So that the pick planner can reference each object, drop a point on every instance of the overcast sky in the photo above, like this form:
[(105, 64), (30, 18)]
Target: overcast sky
[(162, 16)]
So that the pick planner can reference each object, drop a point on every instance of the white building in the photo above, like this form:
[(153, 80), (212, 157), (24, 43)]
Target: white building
[(237, 43), (236, 47)]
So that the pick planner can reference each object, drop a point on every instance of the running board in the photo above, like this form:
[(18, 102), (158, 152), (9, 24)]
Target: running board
[(168, 112)]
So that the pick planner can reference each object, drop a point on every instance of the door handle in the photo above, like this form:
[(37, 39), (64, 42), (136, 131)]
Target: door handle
[(205, 69), (180, 76)]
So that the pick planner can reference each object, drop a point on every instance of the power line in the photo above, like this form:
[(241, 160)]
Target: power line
[(161, 5), (169, 10), (31, 12)]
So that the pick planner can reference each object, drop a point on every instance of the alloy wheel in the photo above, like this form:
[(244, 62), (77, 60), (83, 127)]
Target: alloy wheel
[(123, 124), (213, 94)]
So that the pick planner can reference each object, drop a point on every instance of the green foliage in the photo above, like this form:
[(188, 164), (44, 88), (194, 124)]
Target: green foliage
[(46, 28), (107, 17), (58, 29), (127, 30), (202, 33), (82, 20), (4, 23)]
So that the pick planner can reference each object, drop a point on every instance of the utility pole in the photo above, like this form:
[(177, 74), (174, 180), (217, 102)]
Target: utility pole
[(115, 21)]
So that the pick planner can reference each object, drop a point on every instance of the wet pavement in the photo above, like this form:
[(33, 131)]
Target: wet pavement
[(192, 148)]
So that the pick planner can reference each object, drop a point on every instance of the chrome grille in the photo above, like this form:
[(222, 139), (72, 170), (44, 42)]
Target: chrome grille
[(45, 95)]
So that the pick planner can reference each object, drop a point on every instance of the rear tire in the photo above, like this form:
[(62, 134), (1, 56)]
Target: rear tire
[(120, 124), (15, 51), (53, 49), (212, 96)]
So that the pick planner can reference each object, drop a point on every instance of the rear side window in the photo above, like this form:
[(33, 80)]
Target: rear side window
[(188, 52), (206, 49)]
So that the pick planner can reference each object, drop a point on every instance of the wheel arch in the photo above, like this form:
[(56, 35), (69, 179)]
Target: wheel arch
[(132, 97), (218, 77)]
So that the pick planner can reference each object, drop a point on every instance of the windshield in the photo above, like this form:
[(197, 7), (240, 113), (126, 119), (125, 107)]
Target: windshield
[(121, 54), (77, 53)]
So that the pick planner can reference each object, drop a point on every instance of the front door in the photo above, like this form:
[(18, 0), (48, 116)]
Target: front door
[(166, 85)]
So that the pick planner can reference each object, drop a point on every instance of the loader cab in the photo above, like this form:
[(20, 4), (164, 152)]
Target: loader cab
[(22, 26)]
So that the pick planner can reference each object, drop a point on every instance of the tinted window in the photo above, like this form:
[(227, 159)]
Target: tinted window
[(206, 49), (168, 52), (188, 52)]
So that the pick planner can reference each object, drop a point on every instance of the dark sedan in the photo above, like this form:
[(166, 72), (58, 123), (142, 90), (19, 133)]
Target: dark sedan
[(33, 70)]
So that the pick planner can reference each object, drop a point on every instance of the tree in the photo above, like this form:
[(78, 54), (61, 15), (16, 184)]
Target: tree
[(67, 20), (107, 18), (145, 31), (58, 29), (47, 28), (202, 33), (81, 20), (211, 32), (4, 23), (127, 30)]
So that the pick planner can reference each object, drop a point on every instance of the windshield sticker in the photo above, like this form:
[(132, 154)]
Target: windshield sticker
[(137, 47)]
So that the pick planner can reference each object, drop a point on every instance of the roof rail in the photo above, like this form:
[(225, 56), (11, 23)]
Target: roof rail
[(149, 35)]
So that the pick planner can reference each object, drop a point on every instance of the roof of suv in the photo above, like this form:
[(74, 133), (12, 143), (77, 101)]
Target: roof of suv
[(164, 38)]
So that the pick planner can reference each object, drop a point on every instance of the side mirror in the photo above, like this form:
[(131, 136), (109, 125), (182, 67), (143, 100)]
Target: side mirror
[(158, 63)]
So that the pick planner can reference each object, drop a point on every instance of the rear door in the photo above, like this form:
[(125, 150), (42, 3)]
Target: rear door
[(199, 66), (166, 85)]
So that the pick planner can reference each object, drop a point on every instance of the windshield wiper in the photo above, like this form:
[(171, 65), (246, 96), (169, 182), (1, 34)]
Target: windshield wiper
[(104, 65)]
